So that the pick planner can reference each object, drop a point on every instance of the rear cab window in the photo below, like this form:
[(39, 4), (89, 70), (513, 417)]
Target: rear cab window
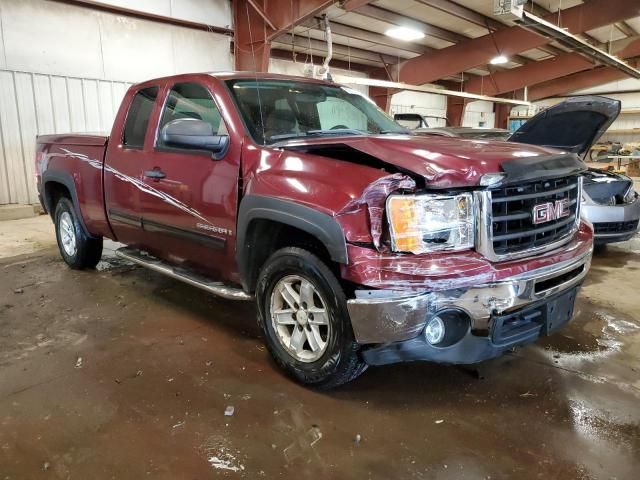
[(135, 127)]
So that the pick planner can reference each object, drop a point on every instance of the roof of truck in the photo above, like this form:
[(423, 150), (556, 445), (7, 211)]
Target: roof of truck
[(239, 76)]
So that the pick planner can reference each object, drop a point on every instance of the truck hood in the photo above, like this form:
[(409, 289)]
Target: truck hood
[(443, 162), (573, 125)]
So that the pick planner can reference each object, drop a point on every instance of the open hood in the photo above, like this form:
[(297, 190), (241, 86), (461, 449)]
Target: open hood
[(573, 125)]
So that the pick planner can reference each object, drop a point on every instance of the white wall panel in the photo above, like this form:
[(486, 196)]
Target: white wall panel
[(479, 114), (35, 104), (60, 105), (210, 12), (431, 105), (51, 37), (65, 68), (28, 128), (76, 105), (44, 103), (199, 51), (91, 106), (11, 140), (136, 50)]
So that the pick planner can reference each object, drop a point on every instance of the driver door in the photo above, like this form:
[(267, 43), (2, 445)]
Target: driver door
[(190, 215)]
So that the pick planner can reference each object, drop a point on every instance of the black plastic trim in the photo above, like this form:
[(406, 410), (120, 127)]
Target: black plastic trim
[(541, 168), (322, 226), (197, 237), (65, 179), (125, 218), (152, 226)]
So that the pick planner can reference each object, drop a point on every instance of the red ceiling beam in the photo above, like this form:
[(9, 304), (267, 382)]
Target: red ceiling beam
[(577, 81), (285, 13), (251, 45), (510, 41), (258, 22), (463, 13), (539, 72), (350, 5), (530, 74)]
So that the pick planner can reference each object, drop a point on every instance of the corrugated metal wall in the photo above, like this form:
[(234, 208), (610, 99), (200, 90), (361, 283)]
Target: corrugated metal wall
[(34, 104)]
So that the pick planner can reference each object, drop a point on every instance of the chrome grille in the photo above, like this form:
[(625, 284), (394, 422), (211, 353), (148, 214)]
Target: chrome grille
[(506, 222)]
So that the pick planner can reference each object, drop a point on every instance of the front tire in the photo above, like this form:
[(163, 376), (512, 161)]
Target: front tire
[(302, 310), (78, 250)]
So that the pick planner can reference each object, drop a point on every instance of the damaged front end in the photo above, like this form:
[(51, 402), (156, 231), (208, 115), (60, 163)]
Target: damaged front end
[(611, 204), (457, 250), (462, 275)]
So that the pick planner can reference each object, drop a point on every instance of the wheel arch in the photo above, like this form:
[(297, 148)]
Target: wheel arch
[(259, 214), (54, 185)]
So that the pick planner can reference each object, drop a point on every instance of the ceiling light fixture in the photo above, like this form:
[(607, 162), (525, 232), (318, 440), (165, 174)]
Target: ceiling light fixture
[(405, 34), (499, 60)]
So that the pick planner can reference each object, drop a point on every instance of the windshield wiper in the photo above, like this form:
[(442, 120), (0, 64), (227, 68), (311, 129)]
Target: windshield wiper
[(286, 136), (395, 132), (337, 131), (310, 133)]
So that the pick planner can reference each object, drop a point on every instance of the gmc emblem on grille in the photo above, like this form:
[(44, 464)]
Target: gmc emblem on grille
[(546, 212)]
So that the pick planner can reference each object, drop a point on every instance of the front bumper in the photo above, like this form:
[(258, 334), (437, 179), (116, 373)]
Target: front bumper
[(509, 330), (612, 223), (388, 317)]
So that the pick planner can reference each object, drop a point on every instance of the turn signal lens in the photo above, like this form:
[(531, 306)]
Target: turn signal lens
[(402, 214)]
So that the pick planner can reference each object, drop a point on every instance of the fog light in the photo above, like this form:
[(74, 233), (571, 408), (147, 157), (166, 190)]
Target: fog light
[(434, 332)]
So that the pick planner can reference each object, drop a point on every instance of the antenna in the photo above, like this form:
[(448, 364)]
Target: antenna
[(255, 73)]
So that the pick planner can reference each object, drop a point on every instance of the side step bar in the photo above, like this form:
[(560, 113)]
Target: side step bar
[(157, 265)]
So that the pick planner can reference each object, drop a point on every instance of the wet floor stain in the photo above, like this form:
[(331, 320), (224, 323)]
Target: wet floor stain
[(162, 362), (594, 331)]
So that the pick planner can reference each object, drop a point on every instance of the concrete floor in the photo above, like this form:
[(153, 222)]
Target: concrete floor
[(122, 373)]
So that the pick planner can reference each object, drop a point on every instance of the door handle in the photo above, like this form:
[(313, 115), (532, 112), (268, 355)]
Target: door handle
[(156, 174)]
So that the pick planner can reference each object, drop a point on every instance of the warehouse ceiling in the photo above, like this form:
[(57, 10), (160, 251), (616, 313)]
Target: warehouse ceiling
[(460, 40)]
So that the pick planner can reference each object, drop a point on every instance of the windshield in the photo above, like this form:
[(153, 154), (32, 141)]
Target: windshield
[(282, 109)]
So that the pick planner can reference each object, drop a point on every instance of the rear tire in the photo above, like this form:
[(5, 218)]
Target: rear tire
[(318, 350), (78, 250)]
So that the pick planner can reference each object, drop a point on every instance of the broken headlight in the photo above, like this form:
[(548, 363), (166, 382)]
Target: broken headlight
[(430, 223), (630, 195)]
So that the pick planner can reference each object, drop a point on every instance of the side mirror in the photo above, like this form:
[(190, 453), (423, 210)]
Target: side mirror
[(194, 134)]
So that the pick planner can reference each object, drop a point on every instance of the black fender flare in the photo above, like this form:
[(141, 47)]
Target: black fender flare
[(322, 226), (65, 179)]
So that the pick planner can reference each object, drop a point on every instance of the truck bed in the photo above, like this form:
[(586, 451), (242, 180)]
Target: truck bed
[(83, 139), (74, 162)]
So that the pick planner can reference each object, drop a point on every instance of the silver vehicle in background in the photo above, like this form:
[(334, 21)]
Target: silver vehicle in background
[(611, 204), (609, 200)]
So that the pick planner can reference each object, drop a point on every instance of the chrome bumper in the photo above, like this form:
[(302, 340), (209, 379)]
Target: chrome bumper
[(384, 316)]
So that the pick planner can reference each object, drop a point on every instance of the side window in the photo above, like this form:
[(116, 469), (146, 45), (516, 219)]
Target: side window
[(191, 100), (137, 121)]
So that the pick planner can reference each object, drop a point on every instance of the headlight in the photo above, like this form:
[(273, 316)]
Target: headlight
[(630, 195), (430, 223)]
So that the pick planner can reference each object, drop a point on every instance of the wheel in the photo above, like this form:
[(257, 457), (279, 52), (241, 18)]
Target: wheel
[(302, 310), (77, 249)]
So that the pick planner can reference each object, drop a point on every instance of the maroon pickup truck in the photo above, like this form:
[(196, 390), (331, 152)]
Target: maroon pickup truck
[(362, 244)]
